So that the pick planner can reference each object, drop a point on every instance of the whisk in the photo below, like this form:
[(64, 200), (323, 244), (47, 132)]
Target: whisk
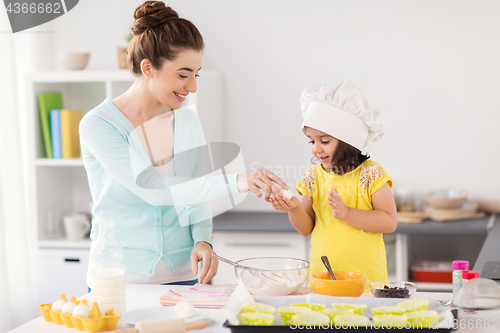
[(258, 273)]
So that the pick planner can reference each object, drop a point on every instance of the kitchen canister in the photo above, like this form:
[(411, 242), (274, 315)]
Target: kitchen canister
[(469, 275), (106, 273), (458, 267)]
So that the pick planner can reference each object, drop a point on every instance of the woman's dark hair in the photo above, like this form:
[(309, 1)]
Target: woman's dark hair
[(346, 158), (159, 35)]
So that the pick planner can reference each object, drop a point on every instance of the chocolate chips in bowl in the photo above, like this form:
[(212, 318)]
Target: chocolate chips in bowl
[(388, 289)]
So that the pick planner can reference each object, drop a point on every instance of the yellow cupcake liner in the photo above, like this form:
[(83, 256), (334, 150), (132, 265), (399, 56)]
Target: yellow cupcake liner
[(333, 312), (287, 312), (351, 320), (426, 317), (417, 304), (310, 318), (312, 306), (389, 321), (258, 307), (388, 310), (257, 318), (358, 308)]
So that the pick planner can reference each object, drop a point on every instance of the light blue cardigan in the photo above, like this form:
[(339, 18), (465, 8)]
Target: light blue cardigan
[(148, 223)]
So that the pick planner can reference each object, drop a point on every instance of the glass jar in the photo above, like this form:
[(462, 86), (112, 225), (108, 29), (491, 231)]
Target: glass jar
[(106, 273), (458, 267), (405, 200)]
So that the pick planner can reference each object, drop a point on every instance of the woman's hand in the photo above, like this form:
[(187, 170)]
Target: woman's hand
[(282, 204), (203, 251), (260, 180), (339, 209)]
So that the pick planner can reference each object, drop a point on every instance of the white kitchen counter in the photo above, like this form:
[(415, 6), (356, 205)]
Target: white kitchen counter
[(146, 296)]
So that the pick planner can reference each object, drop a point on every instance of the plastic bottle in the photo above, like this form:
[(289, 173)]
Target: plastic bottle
[(106, 273), (469, 275), (458, 267), (466, 277)]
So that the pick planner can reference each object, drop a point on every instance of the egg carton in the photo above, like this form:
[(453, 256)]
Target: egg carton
[(95, 323)]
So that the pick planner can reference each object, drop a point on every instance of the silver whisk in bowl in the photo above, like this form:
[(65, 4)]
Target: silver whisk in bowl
[(271, 276)]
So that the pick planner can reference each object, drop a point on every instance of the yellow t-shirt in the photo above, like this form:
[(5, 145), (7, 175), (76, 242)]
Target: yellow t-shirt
[(347, 248)]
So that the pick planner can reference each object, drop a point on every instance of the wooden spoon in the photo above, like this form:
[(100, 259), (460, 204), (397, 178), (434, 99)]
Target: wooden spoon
[(326, 262)]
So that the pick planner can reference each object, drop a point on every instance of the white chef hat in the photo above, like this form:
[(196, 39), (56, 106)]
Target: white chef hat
[(341, 110)]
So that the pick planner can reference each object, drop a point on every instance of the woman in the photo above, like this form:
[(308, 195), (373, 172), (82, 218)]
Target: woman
[(129, 143)]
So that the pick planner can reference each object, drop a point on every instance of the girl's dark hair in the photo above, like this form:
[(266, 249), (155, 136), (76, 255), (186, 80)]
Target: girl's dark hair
[(346, 158), (159, 34)]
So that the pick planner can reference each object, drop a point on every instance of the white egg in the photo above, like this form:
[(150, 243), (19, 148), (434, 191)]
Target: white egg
[(184, 309), (69, 307), (58, 305), (81, 310), (287, 194)]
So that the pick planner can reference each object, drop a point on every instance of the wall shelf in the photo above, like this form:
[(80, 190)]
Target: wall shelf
[(59, 162), (64, 243)]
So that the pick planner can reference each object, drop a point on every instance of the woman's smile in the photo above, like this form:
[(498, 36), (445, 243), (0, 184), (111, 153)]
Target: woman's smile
[(180, 97)]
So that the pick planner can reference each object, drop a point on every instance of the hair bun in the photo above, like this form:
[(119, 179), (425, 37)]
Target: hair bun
[(151, 14)]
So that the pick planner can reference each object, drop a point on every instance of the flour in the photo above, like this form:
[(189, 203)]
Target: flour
[(276, 283)]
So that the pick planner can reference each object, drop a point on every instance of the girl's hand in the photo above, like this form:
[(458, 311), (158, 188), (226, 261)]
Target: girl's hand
[(339, 209), (203, 251), (282, 204)]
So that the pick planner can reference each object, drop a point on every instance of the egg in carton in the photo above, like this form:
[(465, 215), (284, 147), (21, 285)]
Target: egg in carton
[(76, 314)]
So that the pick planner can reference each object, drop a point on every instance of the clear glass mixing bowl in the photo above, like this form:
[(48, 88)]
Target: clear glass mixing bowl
[(479, 294), (272, 276)]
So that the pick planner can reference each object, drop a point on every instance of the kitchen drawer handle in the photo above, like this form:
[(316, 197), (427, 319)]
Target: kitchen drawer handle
[(71, 260), (258, 244)]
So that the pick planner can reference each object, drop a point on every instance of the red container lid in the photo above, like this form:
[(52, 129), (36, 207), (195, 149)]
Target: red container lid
[(470, 275), (461, 265)]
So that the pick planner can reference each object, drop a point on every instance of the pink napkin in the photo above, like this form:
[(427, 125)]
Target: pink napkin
[(207, 296), (201, 295)]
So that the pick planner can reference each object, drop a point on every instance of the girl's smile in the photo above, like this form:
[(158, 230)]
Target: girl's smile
[(323, 146)]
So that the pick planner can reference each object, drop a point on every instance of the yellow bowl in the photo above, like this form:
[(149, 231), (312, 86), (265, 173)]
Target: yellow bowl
[(346, 284)]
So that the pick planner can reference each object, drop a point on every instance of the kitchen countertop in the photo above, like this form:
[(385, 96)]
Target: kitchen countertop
[(278, 222), (146, 296)]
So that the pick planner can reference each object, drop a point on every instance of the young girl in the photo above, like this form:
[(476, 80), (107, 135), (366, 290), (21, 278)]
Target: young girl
[(347, 203)]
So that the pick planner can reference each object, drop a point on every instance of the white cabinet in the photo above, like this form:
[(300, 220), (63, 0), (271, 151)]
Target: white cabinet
[(62, 271), (241, 245)]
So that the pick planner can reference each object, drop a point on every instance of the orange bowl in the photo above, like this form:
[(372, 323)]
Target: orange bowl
[(346, 284)]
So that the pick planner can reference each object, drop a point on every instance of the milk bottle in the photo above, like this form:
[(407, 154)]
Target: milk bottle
[(106, 273)]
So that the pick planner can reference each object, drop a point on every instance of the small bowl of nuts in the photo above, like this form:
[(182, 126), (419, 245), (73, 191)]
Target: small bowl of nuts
[(387, 289)]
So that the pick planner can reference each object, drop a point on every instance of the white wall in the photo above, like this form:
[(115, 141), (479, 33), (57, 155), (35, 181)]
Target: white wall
[(431, 67)]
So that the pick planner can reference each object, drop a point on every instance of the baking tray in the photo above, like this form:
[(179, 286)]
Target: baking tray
[(279, 327), (432, 271)]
